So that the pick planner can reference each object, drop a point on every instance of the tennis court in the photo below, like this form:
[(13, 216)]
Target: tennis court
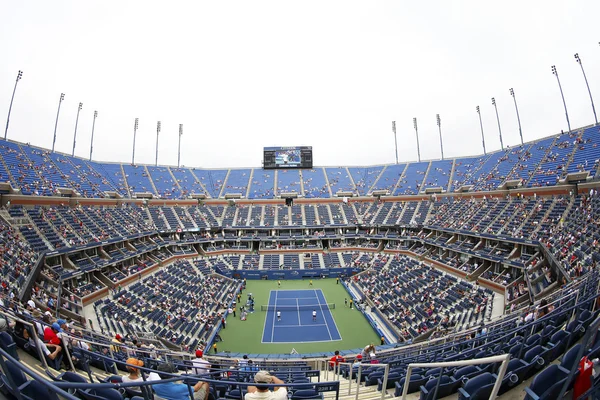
[(297, 324)]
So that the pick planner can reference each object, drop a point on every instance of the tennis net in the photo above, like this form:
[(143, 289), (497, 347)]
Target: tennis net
[(302, 307)]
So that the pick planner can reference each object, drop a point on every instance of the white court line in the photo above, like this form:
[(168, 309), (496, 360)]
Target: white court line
[(323, 316), (298, 306), (331, 314), (274, 316), (265, 324), (296, 326)]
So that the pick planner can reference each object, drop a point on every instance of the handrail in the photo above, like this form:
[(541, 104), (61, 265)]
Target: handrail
[(386, 367), (5, 357), (324, 386), (33, 330), (486, 360)]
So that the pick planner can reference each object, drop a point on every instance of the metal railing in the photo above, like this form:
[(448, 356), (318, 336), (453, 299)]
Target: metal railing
[(504, 359)]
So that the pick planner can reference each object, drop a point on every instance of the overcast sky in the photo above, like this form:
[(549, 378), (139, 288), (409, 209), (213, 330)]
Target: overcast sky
[(242, 75)]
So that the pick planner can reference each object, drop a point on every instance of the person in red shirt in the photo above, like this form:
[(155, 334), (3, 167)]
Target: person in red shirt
[(50, 334), (336, 359)]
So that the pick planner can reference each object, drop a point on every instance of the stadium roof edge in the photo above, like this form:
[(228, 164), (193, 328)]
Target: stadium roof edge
[(314, 167)]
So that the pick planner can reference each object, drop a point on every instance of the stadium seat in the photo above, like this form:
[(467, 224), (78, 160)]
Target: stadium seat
[(393, 377), (17, 376), (448, 385), (516, 371), (465, 373), (547, 384), (478, 387), (69, 376), (101, 394), (34, 390), (306, 394), (413, 385), (8, 344)]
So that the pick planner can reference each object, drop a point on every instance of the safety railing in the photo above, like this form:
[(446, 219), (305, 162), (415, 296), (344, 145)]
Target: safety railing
[(504, 359), (35, 339), (212, 378), (337, 371)]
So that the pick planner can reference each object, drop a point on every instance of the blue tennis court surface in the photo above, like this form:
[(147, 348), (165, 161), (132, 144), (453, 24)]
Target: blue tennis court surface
[(297, 324)]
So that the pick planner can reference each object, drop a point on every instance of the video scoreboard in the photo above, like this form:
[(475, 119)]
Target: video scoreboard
[(287, 157)]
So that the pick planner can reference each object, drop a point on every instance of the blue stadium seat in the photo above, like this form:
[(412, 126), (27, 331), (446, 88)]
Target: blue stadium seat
[(478, 387), (547, 384)]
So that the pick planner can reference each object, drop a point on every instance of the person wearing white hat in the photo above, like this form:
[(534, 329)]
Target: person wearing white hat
[(261, 392)]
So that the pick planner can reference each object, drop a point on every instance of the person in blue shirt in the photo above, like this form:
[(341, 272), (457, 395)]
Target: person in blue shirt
[(175, 390), (249, 367)]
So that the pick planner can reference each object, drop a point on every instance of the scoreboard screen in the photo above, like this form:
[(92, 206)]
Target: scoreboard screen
[(287, 157)]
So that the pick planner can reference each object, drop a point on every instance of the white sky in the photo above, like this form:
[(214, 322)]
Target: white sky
[(241, 75)]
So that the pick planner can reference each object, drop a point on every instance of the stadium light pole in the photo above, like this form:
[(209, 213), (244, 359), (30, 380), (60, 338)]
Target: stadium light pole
[(439, 124), (135, 128), (179, 145), (498, 118), (76, 122), (417, 132), (555, 73), (157, 133), (62, 97), (92, 141), (19, 76), (578, 59), (395, 139), (481, 124), (512, 93)]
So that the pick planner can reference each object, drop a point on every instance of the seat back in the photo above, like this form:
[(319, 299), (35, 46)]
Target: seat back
[(16, 374), (72, 377), (306, 394), (548, 383), (466, 372), (8, 344), (480, 386), (34, 390), (570, 357)]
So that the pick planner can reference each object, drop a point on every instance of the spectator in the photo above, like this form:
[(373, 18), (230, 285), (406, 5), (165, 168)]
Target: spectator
[(134, 372), (200, 365), (50, 350), (336, 360), (174, 390), (259, 392), (50, 334)]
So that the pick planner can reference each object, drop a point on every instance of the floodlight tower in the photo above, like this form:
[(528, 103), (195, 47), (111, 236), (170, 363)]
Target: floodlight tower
[(62, 97), (92, 141), (512, 93), (578, 59), (481, 124), (19, 76), (555, 73), (498, 118), (157, 133), (395, 139), (179, 145), (439, 124), (135, 128), (417, 132), (76, 122)]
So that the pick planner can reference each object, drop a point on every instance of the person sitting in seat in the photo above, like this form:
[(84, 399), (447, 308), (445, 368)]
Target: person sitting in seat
[(261, 392), (134, 372), (175, 390), (52, 351)]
